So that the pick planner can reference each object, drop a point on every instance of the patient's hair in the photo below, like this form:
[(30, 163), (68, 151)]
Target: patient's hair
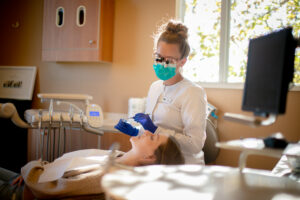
[(169, 153), (174, 32)]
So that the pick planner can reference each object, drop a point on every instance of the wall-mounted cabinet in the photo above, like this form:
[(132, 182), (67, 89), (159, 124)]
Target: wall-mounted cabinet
[(78, 30)]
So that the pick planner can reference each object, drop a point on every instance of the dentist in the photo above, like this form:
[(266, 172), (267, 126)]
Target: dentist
[(175, 106)]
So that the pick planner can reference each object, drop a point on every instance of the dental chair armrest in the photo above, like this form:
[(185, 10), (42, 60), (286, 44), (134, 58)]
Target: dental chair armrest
[(8, 110), (93, 130)]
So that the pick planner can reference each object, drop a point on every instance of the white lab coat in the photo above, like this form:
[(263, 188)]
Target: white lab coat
[(180, 110)]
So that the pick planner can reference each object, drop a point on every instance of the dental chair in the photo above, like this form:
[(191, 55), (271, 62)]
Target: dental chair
[(210, 150), (39, 119)]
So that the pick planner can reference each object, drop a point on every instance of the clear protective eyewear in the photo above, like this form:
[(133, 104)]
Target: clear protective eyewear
[(166, 61)]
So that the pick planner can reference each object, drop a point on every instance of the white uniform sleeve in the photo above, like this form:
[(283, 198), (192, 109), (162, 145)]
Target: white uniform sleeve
[(193, 114)]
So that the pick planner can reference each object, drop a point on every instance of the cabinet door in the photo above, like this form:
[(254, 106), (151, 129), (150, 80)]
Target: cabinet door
[(77, 30), (51, 33), (81, 28)]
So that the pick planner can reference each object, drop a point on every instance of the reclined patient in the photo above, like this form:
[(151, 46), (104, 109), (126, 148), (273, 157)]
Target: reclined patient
[(85, 179)]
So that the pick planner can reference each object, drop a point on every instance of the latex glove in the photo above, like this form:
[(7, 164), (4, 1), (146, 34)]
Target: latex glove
[(145, 121), (126, 128)]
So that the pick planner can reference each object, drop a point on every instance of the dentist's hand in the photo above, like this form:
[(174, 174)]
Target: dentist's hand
[(126, 128), (145, 121)]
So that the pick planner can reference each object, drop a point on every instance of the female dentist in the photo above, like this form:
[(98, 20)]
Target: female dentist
[(175, 105)]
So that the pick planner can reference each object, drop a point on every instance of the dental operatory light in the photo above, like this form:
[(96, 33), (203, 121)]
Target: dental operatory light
[(270, 70)]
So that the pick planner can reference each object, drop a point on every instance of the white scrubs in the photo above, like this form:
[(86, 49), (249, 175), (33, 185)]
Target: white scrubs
[(180, 110)]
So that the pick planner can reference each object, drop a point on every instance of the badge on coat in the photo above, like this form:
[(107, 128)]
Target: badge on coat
[(167, 100)]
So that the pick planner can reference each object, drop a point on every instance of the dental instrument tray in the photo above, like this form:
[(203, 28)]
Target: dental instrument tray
[(90, 118), (66, 111)]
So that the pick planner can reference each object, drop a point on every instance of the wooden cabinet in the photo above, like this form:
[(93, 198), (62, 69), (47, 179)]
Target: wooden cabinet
[(78, 30)]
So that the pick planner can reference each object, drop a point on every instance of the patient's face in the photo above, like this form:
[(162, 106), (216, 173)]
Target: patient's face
[(147, 143)]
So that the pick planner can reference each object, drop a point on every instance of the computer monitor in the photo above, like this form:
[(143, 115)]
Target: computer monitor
[(270, 69)]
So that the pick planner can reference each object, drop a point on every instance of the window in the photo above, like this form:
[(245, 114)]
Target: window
[(219, 33)]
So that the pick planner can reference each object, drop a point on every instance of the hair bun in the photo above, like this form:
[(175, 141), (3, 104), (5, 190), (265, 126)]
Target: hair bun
[(173, 32), (177, 28)]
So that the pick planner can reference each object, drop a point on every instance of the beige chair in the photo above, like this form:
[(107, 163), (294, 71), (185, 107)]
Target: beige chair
[(210, 150)]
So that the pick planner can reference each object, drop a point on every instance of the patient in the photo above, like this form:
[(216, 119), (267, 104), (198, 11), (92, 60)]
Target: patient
[(146, 149)]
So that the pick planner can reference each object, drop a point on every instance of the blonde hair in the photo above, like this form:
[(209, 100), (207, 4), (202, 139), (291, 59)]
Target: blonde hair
[(174, 32), (169, 153)]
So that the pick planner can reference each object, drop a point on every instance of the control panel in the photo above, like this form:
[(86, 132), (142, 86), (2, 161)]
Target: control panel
[(94, 115)]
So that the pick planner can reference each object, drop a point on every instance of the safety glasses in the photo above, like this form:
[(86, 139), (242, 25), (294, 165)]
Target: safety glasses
[(166, 61)]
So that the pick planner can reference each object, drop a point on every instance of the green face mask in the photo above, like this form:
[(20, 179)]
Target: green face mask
[(164, 73)]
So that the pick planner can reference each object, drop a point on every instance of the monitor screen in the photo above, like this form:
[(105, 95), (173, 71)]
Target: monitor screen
[(270, 69)]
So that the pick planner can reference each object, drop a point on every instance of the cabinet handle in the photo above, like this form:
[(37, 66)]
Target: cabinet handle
[(91, 41), (81, 16), (59, 16)]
